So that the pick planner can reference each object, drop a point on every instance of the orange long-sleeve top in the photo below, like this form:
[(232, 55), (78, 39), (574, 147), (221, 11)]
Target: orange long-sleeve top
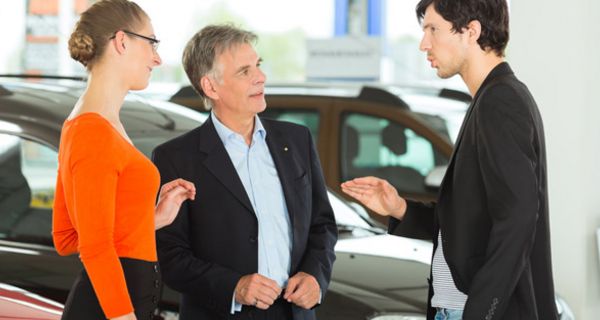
[(104, 206)]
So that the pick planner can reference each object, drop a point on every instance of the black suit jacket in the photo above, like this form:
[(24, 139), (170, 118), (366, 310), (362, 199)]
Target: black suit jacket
[(213, 241), (492, 207)]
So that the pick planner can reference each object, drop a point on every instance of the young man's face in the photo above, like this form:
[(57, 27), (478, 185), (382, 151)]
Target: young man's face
[(446, 50), (240, 82)]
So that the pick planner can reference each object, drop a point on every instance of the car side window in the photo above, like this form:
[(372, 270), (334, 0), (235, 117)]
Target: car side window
[(373, 146), (307, 118), (27, 181)]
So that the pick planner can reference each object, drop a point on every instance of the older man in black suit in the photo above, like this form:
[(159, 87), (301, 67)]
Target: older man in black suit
[(258, 241)]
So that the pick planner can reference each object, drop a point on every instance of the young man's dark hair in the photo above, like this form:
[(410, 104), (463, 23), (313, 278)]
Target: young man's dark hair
[(492, 14)]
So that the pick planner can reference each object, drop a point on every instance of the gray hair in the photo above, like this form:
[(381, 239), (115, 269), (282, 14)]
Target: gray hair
[(203, 48)]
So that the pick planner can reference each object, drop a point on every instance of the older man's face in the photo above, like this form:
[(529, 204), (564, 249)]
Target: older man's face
[(239, 82)]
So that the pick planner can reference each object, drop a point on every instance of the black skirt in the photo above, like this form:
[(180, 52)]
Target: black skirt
[(143, 284)]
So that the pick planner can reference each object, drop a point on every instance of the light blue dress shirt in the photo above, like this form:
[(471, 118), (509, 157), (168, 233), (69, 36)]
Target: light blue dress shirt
[(256, 169)]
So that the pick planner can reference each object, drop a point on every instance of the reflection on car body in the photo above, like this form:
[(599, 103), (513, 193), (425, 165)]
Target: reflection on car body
[(16, 303)]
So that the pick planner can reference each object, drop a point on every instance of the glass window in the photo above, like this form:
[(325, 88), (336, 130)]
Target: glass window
[(27, 180), (372, 146), (307, 118), (282, 36)]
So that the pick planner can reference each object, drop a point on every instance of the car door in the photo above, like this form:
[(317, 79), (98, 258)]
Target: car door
[(27, 257), (314, 112), (387, 142)]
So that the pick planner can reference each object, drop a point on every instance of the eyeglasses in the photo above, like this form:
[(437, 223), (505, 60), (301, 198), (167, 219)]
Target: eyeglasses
[(153, 42)]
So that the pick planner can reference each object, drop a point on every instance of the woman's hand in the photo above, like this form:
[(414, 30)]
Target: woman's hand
[(170, 198)]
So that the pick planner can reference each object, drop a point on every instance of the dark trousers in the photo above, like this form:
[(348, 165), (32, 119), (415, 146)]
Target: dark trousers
[(143, 284), (280, 310)]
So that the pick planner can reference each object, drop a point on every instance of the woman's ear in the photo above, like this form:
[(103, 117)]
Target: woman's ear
[(118, 42)]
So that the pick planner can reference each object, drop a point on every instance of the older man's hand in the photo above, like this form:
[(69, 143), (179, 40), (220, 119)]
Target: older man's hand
[(256, 290), (303, 290)]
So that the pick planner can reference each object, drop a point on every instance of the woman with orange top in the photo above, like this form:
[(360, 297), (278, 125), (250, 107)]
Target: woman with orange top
[(105, 205)]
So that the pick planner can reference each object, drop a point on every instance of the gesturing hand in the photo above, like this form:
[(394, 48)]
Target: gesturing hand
[(377, 194), (303, 290), (170, 198), (256, 290)]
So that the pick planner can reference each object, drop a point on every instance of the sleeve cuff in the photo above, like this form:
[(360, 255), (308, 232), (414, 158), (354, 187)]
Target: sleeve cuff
[(235, 307), (320, 296)]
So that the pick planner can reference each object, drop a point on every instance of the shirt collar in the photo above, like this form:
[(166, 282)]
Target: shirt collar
[(225, 133)]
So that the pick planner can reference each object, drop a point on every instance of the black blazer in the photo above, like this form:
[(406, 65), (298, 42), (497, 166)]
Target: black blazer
[(493, 208), (213, 241)]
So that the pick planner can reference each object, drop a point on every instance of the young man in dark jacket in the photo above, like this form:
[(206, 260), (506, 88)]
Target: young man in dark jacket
[(490, 224)]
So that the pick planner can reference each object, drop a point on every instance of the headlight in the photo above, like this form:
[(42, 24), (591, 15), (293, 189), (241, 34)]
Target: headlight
[(398, 316)]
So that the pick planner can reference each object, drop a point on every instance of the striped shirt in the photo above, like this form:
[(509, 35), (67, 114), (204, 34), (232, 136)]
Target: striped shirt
[(445, 293)]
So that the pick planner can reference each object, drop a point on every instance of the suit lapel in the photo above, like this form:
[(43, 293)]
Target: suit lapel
[(217, 161), (462, 129), (500, 70)]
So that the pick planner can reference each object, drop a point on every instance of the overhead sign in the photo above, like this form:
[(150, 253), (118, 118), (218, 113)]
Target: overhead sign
[(344, 58)]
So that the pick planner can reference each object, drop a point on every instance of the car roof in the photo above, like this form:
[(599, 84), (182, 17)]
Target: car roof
[(49, 102), (401, 96), (355, 90)]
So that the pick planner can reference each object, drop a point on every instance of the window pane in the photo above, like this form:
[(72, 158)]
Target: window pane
[(282, 27), (27, 180), (378, 147), (306, 118)]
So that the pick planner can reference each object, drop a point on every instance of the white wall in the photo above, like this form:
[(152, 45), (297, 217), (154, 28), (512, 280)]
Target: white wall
[(555, 51), (12, 29)]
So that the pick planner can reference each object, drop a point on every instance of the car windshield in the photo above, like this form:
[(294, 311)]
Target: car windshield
[(352, 218)]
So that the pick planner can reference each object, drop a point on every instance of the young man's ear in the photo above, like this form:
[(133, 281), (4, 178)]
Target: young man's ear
[(208, 88), (473, 31)]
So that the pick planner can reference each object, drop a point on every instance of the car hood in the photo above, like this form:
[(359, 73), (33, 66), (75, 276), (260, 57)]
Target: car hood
[(383, 272)]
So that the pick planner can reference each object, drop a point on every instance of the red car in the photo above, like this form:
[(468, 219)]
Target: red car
[(16, 303)]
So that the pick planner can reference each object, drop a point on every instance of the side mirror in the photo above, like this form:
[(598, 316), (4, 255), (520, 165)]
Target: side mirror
[(435, 176)]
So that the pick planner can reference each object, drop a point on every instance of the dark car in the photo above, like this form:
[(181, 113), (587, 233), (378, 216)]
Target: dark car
[(376, 276)]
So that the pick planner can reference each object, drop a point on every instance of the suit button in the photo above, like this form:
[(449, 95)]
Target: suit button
[(154, 299), (252, 239), (156, 268), (156, 283)]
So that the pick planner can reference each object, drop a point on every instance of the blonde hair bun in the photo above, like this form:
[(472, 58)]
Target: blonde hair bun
[(81, 47)]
